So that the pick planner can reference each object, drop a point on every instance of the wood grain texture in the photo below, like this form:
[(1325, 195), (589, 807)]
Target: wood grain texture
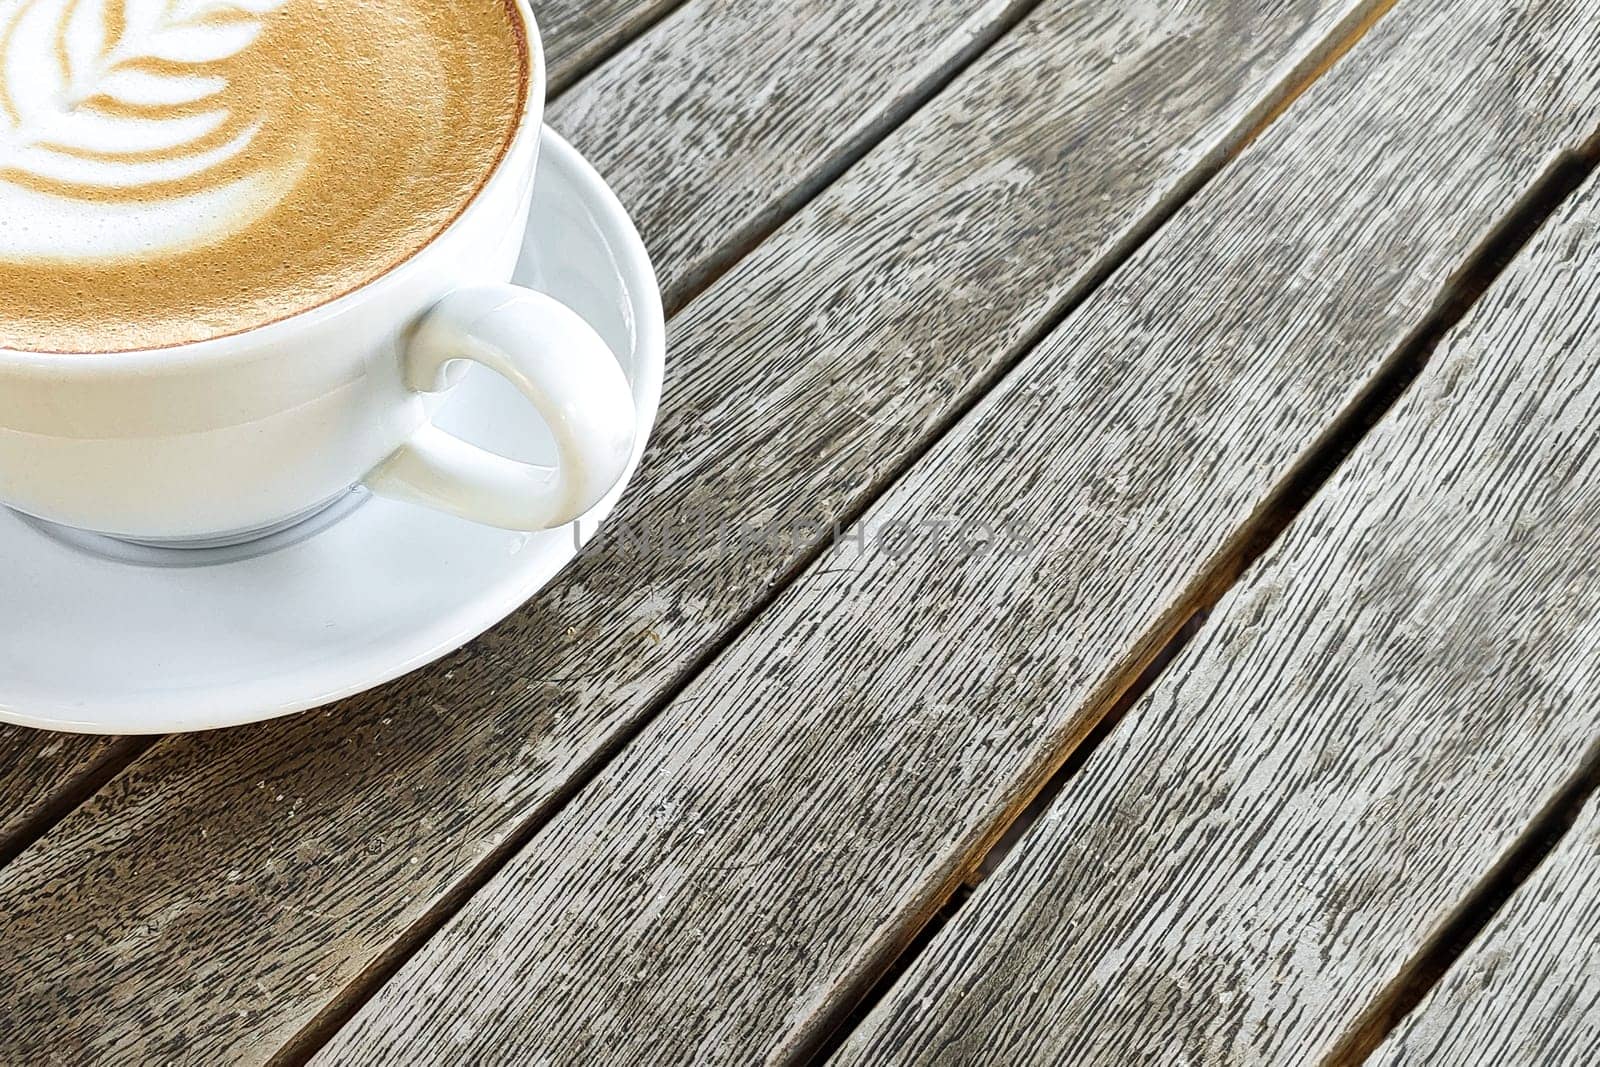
[(37, 772), (745, 867), (1360, 733), (266, 869), (578, 33), (1528, 990), (800, 86)]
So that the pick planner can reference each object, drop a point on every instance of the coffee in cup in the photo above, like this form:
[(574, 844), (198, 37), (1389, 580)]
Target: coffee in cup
[(179, 170)]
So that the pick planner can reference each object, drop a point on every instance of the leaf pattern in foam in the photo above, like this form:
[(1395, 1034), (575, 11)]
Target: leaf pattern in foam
[(104, 105), (54, 127)]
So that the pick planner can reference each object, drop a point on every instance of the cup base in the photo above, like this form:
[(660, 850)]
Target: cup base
[(207, 551)]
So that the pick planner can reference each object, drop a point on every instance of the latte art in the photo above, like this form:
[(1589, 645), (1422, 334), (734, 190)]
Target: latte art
[(109, 97), (172, 170)]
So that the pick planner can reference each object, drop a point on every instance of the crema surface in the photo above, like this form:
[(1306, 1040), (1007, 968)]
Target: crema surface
[(175, 170)]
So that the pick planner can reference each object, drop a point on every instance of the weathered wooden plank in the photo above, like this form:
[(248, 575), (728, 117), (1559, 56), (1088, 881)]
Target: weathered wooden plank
[(37, 774), (796, 386), (799, 87), (578, 33), (1361, 732), (725, 888), (1528, 990)]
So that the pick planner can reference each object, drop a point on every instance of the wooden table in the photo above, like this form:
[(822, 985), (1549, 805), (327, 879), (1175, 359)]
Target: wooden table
[(1141, 466)]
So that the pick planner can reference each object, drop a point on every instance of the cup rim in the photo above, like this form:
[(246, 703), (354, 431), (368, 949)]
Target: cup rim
[(248, 340)]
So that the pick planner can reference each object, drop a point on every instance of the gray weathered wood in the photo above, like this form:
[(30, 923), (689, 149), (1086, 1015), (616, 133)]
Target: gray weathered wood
[(289, 857), (1528, 989), (710, 153), (1364, 728), (577, 33), (743, 869)]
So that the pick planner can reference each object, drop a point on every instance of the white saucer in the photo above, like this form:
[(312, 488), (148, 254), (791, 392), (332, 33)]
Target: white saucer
[(100, 637)]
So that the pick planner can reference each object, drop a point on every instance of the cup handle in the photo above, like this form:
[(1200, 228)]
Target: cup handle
[(565, 370)]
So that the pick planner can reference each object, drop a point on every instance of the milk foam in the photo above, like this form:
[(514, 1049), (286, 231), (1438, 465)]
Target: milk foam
[(177, 170), (114, 137)]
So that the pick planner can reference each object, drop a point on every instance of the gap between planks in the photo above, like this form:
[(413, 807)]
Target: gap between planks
[(80, 786), (1336, 53), (1470, 918), (1009, 836), (1566, 176), (588, 58), (1528, 949), (342, 1008), (748, 237)]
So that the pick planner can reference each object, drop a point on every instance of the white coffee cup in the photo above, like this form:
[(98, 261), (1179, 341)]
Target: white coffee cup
[(222, 440)]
